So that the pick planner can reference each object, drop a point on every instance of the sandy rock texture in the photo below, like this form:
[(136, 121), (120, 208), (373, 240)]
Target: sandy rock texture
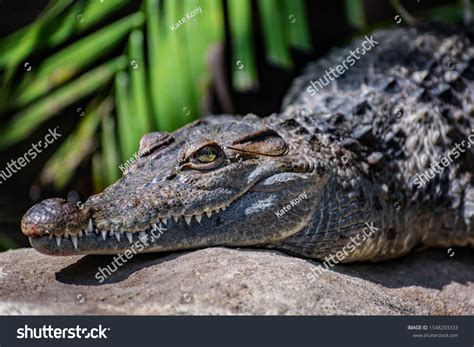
[(221, 281)]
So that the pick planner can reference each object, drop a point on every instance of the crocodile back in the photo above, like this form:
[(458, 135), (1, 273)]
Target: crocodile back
[(405, 109)]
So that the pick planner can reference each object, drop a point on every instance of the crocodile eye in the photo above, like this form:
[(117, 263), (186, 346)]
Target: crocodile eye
[(207, 154), (208, 157)]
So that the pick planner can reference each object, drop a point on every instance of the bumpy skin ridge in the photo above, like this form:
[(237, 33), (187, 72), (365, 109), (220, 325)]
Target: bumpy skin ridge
[(402, 106)]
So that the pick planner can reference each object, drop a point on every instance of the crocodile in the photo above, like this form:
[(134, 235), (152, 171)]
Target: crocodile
[(379, 145)]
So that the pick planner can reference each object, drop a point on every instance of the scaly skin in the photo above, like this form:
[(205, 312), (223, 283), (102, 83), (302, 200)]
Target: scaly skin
[(352, 150)]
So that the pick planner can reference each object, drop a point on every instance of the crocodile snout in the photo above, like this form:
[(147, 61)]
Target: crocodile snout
[(52, 217)]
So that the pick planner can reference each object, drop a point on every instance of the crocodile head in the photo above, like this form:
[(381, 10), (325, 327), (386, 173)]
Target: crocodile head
[(218, 181)]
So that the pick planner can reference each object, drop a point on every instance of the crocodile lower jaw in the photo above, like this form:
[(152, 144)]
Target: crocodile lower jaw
[(113, 240)]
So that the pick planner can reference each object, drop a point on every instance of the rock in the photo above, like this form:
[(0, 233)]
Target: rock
[(237, 281)]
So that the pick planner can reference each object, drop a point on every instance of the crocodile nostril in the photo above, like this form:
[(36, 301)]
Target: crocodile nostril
[(51, 217)]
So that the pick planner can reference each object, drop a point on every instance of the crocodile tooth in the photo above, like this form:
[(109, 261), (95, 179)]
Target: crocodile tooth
[(117, 236), (74, 241), (188, 219), (198, 218), (104, 234), (80, 233), (209, 214), (111, 233), (46, 232), (90, 227), (66, 234), (223, 208), (154, 226), (129, 237), (50, 236), (176, 218), (58, 240), (142, 236), (164, 220)]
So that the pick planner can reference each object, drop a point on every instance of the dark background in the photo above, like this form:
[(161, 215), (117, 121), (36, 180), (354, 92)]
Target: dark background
[(328, 27)]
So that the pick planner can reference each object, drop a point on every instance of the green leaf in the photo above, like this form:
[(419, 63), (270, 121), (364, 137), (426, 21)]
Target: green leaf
[(110, 152), (201, 48), (97, 11), (356, 13), (32, 39), (297, 24), (153, 39), (68, 62), (65, 24), (244, 69), (178, 43), (61, 167), (98, 172), (91, 13), (28, 119), (275, 38), (177, 105), (8, 43), (128, 133), (139, 92)]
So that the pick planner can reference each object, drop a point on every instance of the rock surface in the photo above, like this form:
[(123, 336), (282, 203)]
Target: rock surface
[(237, 281)]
